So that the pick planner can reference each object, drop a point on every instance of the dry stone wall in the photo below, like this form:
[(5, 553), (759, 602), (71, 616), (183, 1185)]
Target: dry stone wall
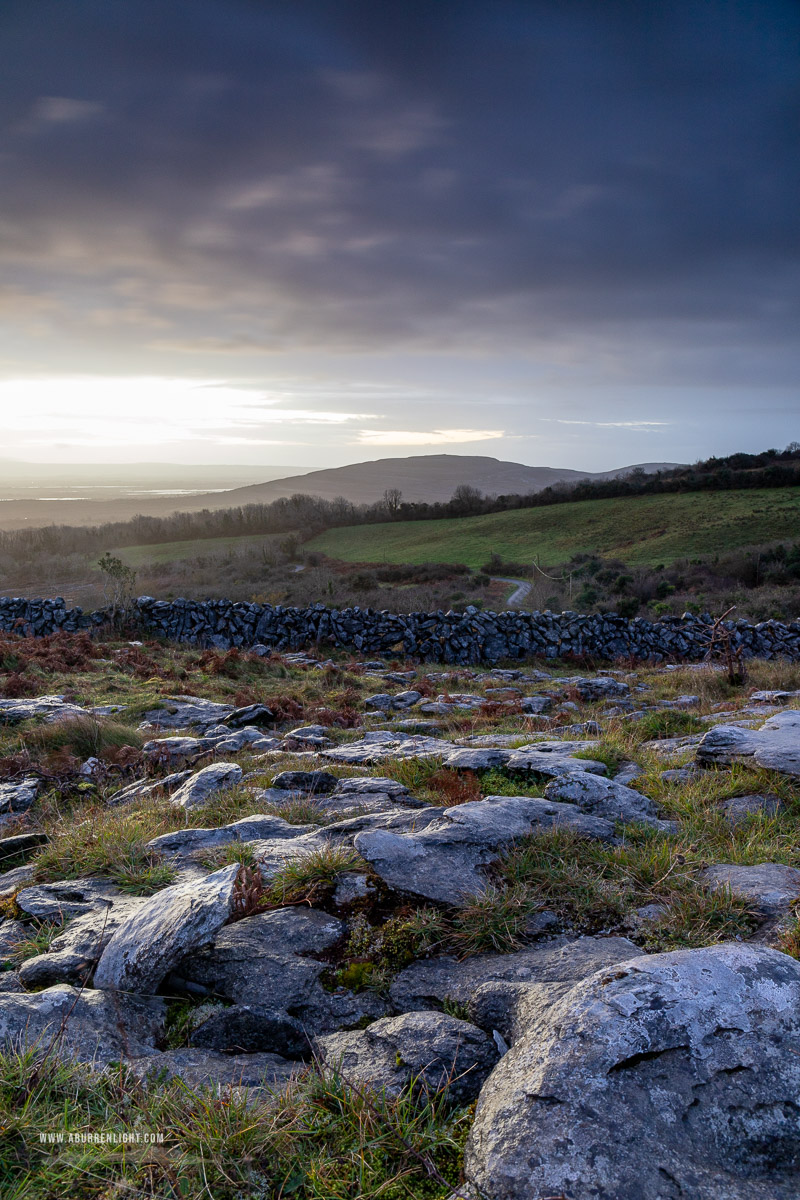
[(468, 637)]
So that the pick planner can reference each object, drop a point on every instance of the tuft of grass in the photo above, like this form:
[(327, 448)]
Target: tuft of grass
[(234, 852), (595, 886), (299, 811), (312, 876), (609, 755), (669, 723), (223, 808), (790, 940), (497, 782), (413, 773), (42, 934), (140, 878), (84, 737), (491, 922)]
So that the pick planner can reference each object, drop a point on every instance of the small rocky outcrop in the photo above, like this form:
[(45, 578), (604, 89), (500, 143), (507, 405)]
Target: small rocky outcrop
[(605, 798), (775, 746), (268, 967), (90, 1026), (197, 790)]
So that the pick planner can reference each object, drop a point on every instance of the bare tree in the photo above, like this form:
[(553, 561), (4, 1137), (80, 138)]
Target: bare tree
[(391, 500)]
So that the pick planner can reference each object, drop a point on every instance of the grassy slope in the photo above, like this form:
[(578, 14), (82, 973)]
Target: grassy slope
[(165, 552), (647, 530)]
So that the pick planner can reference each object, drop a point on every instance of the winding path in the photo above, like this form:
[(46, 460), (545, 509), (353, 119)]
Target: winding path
[(522, 589)]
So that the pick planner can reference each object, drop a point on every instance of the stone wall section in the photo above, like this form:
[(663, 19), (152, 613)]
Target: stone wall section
[(469, 637)]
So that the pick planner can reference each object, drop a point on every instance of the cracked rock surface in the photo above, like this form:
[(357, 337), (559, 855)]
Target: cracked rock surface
[(266, 965)]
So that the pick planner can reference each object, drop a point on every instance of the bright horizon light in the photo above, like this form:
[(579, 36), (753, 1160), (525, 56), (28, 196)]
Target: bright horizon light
[(120, 410)]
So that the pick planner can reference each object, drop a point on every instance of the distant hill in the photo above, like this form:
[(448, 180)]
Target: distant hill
[(427, 477), (424, 477)]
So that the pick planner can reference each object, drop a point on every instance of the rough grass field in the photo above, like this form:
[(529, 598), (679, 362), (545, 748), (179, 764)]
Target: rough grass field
[(170, 552), (645, 530)]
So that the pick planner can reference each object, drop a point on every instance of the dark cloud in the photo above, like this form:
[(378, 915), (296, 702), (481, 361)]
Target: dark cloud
[(261, 174)]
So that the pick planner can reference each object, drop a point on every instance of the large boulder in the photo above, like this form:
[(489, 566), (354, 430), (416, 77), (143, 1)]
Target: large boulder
[(427, 1050), (667, 1076), (147, 945), (446, 861)]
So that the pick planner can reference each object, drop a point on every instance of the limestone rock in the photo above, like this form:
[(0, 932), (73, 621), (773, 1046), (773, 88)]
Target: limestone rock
[(185, 712), (430, 982), (210, 1069), (548, 758), (184, 842), (309, 782), (11, 934), (740, 808), (18, 797), (90, 1026), (177, 749), (74, 953), (772, 887), (203, 784), (21, 844), (604, 797), (143, 789), (265, 964), (250, 715), (445, 861), (147, 945), (433, 1050), (670, 1075), (67, 898), (41, 708), (775, 746)]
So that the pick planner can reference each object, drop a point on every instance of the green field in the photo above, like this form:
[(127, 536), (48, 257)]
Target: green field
[(647, 530), (167, 552)]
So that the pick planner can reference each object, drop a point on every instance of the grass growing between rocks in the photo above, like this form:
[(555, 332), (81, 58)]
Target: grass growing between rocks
[(312, 876), (319, 1138), (90, 840), (593, 886)]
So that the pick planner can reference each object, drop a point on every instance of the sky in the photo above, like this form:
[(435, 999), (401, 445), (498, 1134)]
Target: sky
[(315, 232)]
